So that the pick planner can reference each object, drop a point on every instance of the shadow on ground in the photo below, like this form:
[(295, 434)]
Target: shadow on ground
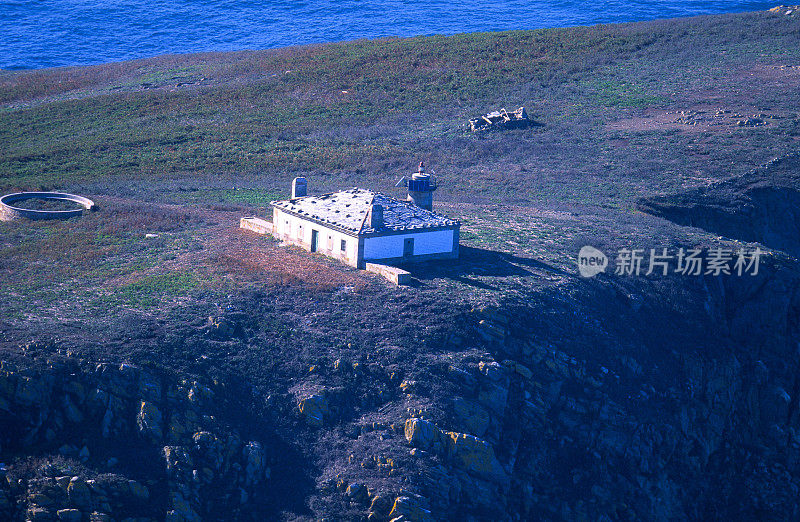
[(475, 263)]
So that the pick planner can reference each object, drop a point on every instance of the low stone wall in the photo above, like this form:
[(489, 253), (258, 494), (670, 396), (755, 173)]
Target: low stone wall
[(8, 212), (257, 225), (393, 274)]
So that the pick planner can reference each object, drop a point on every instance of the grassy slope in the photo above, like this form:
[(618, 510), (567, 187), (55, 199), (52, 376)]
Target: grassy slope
[(219, 135), (188, 129), (274, 112)]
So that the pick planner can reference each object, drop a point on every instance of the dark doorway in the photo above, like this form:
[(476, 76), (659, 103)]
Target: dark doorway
[(408, 247), (314, 240)]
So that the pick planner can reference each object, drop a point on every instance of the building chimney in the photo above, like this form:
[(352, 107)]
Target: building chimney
[(299, 187), (376, 216)]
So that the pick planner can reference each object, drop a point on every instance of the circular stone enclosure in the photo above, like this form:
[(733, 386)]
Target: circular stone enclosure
[(9, 212)]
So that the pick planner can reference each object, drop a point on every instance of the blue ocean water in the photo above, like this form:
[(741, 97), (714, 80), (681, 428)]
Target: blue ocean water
[(47, 33)]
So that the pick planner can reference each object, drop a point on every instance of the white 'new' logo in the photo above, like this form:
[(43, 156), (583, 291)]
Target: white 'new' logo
[(591, 261)]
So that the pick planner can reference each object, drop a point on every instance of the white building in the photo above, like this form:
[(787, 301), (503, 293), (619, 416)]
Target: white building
[(359, 226)]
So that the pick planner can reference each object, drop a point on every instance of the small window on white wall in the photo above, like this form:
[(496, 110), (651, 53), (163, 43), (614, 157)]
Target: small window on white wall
[(299, 231), (344, 245)]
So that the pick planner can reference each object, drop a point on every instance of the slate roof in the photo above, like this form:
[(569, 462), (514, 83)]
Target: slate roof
[(348, 210)]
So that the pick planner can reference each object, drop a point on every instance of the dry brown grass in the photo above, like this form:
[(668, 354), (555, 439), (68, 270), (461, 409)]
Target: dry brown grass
[(247, 257)]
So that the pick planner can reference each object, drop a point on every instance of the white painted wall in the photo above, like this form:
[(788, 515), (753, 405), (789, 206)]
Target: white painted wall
[(296, 230), (431, 242)]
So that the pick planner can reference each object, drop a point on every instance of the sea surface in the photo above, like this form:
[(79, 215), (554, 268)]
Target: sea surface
[(48, 33)]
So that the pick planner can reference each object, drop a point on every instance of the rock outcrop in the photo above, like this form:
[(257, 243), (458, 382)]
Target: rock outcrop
[(167, 432)]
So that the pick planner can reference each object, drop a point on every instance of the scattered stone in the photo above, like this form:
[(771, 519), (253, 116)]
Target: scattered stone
[(785, 10), (501, 120), (408, 386)]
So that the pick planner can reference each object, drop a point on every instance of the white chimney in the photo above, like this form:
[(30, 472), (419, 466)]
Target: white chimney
[(299, 187), (376, 216)]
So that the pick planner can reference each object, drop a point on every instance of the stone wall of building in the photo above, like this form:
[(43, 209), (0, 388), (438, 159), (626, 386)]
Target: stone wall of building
[(298, 231)]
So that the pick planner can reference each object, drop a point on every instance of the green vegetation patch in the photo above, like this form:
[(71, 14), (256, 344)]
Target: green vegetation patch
[(242, 196), (622, 94), (151, 290)]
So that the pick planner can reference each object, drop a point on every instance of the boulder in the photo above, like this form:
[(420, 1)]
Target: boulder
[(199, 394), (181, 510), (492, 370), (411, 509), (41, 500), (470, 417), (380, 506), (114, 421), (149, 387), (314, 409), (84, 454), (76, 389), (71, 412), (63, 482), (149, 421), (519, 369), (357, 492), (491, 332), (176, 457), (421, 433), (38, 514), (474, 456), (69, 515), (493, 397), (178, 428), (31, 391), (79, 493), (138, 491), (255, 462)]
